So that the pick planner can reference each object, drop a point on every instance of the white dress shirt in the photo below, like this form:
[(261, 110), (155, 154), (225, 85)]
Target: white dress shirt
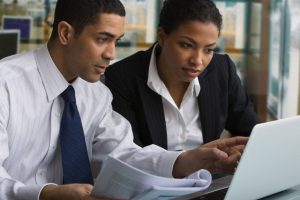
[(183, 123), (30, 115)]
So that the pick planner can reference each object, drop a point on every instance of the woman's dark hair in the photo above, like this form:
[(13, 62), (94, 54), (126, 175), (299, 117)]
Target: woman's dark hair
[(80, 13), (176, 12)]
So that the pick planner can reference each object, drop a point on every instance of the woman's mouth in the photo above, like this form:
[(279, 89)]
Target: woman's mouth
[(191, 72)]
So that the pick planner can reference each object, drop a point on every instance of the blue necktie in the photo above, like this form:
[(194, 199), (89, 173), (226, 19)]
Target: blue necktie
[(75, 161)]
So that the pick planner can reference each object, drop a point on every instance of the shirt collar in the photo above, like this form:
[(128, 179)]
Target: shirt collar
[(53, 81), (156, 84)]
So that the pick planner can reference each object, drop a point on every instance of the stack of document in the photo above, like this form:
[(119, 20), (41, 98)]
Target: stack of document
[(119, 180)]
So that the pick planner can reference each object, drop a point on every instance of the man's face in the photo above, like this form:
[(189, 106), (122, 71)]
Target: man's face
[(88, 54)]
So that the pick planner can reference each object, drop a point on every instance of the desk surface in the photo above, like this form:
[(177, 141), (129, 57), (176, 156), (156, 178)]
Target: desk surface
[(290, 194)]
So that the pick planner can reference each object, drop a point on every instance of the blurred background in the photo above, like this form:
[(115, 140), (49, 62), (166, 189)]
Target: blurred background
[(261, 36)]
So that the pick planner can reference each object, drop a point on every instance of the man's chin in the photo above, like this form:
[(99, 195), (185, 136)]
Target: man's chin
[(92, 79)]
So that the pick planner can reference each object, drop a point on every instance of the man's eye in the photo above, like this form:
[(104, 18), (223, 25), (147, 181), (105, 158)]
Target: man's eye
[(117, 41), (102, 39)]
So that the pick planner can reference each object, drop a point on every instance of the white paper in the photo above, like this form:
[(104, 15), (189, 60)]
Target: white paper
[(119, 180)]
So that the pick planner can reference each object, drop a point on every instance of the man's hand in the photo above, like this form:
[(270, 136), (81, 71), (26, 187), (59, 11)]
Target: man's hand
[(68, 192), (218, 156)]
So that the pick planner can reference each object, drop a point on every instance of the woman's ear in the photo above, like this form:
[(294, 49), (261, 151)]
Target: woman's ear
[(161, 35), (65, 32)]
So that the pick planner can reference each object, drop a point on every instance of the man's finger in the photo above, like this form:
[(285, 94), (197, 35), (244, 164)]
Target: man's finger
[(240, 148), (231, 161), (228, 165), (216, 154), (234, 141)]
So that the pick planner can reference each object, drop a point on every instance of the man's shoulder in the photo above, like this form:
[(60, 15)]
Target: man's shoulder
[(17, 65)]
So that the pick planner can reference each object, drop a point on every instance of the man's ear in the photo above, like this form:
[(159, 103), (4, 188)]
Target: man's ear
[(161, 35), (65, 32)]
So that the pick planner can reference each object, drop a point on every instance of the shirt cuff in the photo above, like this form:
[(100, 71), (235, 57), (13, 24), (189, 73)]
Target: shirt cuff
[(29, 192), (166, 163)]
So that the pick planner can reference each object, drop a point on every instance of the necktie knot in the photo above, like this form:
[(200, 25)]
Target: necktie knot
[(69, 94)]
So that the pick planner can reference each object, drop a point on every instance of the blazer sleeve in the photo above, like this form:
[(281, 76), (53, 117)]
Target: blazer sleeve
[(241, 114), (124, 101)]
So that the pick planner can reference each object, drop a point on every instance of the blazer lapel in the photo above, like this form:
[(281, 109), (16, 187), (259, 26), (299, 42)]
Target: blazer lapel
[(203, 113), (152, 106), (154, 114), (204, 99)]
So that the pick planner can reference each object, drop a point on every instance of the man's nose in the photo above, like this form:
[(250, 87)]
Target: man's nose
[(110, 51)]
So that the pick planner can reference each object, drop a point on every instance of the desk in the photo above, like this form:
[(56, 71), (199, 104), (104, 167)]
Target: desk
[(290, 194)]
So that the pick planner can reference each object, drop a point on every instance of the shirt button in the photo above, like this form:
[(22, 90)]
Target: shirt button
[(40, 176)]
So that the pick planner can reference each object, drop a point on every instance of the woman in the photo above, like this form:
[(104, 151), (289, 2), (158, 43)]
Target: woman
[(179, 94)]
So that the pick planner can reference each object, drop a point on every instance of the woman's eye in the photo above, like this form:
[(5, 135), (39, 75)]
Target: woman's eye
[(210, 50), (185, 45)]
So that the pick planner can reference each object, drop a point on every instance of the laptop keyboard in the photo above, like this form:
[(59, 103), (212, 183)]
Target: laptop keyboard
[(216, 195)]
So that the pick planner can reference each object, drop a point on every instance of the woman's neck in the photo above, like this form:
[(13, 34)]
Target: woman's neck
[(176, 88)]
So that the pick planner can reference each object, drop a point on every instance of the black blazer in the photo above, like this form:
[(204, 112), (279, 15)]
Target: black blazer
[(223, 102)]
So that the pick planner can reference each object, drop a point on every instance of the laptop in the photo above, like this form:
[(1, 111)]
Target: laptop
[(270, 163)]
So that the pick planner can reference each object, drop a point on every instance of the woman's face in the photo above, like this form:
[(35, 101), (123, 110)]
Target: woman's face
[(186, 51)]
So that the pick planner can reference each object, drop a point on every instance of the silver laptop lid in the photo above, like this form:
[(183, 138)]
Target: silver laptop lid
[(270, 162)]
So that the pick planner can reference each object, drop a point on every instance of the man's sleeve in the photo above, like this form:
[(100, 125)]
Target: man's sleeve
[(10, 189)]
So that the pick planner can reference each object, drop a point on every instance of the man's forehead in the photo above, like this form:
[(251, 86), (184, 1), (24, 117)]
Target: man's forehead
[(110, 23)]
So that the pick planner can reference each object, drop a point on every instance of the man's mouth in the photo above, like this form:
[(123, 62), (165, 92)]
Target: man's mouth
[(100, 69)]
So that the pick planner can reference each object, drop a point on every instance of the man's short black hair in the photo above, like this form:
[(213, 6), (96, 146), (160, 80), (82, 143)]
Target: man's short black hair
[(177, 12), (80, 13)]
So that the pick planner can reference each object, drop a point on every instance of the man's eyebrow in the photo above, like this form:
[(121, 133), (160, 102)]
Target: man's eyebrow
[(108, 34), (121, 36)]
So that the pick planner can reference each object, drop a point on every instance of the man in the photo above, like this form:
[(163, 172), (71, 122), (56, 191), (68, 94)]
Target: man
[(39, 113)]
